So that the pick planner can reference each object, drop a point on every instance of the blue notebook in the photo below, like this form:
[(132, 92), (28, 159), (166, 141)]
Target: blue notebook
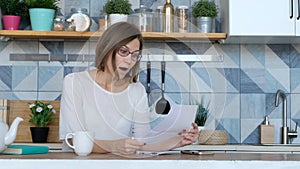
[(26, 149)]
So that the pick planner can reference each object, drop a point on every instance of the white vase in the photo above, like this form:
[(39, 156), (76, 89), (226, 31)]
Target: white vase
[(199, 128), (115, 18)]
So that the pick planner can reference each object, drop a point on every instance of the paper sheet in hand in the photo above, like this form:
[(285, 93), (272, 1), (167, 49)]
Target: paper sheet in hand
[(180, 117)]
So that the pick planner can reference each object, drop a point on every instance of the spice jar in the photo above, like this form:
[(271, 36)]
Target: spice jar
[(182, 17), (58, 24), (70, 25), (81, 19)]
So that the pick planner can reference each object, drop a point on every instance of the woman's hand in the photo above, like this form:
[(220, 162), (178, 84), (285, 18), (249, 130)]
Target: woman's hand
[(189, 135), (126, 146)]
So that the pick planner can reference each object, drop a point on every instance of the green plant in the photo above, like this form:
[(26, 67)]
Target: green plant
[(117, 7), (14, 7), (41, 113), (201, 115), (51, 4), (204, 8)]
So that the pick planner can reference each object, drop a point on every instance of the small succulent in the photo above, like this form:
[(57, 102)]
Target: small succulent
[(201, 115)]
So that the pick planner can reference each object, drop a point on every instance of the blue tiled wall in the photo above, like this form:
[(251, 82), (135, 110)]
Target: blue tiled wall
[(239, 91)]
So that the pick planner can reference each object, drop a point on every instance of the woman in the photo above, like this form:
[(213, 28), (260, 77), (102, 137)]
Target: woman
[(110, 101)]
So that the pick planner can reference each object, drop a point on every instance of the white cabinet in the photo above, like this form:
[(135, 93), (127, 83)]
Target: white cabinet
[(260, 17)]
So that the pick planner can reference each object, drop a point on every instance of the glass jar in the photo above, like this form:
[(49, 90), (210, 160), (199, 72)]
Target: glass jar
[(144, 17), (159, 19), (70, 25), (182, 18), (58, 24), (102, 22), (81, 19)]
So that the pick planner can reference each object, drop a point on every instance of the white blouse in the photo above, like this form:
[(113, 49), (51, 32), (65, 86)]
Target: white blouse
[(85, 105)]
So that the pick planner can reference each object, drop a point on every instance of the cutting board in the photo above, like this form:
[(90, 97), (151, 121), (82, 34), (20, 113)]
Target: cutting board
[(20, 108), (3, 110)]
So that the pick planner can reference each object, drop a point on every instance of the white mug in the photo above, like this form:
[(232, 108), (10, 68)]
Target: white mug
[(83, 142)]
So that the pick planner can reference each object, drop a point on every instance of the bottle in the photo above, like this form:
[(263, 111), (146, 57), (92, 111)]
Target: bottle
[(266, 132), (168, 16)]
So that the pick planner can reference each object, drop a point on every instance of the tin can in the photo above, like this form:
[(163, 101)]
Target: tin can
[(182, 18)]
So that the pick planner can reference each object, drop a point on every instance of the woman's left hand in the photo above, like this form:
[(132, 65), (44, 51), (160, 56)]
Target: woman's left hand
[(190, 135)]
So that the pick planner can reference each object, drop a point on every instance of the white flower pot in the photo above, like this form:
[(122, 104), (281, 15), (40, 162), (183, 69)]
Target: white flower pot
[(115, 18), (199, 128)]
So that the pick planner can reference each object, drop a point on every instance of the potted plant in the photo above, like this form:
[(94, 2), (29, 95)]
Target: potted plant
[(12, 11), (118, 10), (41, 115), (205, 11), (42, 13), (201, 116)]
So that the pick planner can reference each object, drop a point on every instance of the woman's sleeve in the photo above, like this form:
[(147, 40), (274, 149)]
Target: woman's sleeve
[(71, 113)]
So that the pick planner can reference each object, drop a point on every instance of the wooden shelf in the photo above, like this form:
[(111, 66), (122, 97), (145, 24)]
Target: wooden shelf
[(28, 34)]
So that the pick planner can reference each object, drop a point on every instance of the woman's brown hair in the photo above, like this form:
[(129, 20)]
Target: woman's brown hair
[(116, 36)]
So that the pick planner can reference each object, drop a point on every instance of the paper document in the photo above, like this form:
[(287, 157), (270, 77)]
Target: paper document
[(179, 117)]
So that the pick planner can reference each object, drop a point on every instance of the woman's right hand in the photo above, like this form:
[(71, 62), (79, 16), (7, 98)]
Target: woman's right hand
[(127, 146)]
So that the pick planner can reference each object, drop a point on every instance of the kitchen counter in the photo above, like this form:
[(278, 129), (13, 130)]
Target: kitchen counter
[(57, 160), (223, 156), (231, 148)]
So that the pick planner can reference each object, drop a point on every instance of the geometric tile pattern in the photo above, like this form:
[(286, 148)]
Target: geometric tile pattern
[(240, 90)]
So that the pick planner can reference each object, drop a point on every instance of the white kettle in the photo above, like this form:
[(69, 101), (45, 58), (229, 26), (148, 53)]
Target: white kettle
[(8, 136)]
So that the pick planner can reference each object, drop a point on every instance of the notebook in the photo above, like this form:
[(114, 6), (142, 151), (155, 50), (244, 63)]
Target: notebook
[(25, 149)]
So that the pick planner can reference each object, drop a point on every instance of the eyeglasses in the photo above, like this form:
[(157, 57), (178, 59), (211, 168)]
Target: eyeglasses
[(124, 52)]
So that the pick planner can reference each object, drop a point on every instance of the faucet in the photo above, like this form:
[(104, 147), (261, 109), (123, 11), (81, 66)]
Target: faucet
[(285, 132)]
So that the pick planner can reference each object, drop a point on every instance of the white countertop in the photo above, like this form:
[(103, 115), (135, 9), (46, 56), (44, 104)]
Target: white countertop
[(289, 148)]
